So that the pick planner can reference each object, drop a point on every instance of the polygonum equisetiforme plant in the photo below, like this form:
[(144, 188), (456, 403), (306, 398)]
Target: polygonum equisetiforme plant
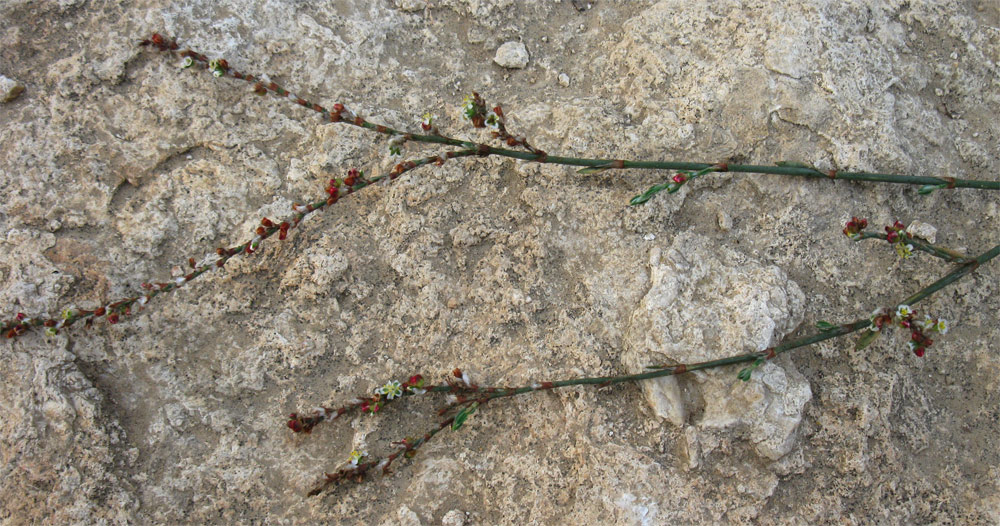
[(465, 398)]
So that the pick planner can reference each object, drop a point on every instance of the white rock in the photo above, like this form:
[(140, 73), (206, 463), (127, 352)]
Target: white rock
[(10, 89), (411, 5), (512, 55), (922, 230), (707, 302), (563, 80), (453, 518)]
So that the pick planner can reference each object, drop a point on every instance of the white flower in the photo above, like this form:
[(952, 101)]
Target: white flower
[(356, 457), (391, 390), (941, 326), (188, 62), (493, 120), (903, 311)]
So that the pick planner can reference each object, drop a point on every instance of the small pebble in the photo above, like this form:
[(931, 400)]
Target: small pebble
[(512, 55), (563, 80), (10, 89)]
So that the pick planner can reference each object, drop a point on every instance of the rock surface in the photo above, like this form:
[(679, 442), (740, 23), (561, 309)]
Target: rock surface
[(703, 298), (512, 55), (118, 165)]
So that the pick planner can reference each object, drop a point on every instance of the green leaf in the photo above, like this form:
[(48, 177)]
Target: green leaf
[(592, 170), (648, 194), (463, 415), (866, 339), (825, 326), (927, 189), (747, 372)]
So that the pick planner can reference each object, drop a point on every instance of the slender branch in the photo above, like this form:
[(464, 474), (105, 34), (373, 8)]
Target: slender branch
[(339, 113), (472, 396), (115, 310)]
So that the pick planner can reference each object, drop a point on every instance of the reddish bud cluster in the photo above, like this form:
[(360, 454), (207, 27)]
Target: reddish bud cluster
[(854, 227), (680, 178), (283, 230), (415, 381), (159, 42), (892, 233)]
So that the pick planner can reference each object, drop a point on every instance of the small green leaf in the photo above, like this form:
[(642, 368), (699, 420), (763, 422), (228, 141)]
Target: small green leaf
[(927, 189), (866, 339), (463, 415), (825, 326), (747, 372), (592, 170), (648, 194)]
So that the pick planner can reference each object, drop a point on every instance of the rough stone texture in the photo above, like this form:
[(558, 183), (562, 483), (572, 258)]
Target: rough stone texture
[(701, 299), (512, 55), (117, 166)]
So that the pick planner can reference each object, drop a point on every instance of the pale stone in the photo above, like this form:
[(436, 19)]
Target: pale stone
[(512, 55), (10, 89), (706, 302), (922, 230)]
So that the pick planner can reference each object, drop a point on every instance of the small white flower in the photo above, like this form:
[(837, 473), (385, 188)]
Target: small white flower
[(493, 120), (179, 281), (356, 457), (941, 326), (903, 311), (391, 389), (928, 323), (143, 300), (188, 62)]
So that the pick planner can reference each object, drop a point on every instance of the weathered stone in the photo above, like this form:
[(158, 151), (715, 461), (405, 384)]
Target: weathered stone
[(512, 55), (707, 302)]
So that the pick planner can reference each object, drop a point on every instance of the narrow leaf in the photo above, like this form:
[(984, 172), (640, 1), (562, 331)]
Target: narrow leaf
[(825, 326), (463, 415), (866, 339)]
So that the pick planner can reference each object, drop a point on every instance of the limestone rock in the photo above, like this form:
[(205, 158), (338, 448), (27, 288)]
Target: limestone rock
[(512, 55), (707, 302), (10, 89)]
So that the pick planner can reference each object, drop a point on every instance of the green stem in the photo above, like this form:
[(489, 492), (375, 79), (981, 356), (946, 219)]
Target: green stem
[(790, 169), (947, 254)]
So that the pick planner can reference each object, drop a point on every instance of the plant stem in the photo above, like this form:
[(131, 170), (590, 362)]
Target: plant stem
[(482, 395), (790, 169), (947, 254)]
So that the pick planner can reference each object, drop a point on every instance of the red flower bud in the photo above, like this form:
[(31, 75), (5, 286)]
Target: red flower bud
[(261, 231), (266, 223), (892, 237), (112, 319), (679, 178), (899, 226), (415, 380), (919, 351), (352, 177), (457, 373), (99, 311), (157, 39)]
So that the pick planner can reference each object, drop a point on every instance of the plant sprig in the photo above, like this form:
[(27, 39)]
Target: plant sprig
[(465, 397)]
